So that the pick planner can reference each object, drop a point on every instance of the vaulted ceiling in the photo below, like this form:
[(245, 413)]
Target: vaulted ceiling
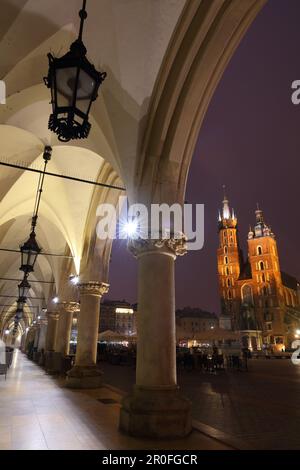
[(126, 38)]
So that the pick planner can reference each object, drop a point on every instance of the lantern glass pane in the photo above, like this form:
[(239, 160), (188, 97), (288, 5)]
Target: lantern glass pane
[(86, 86), (65, 84), (85, 91)]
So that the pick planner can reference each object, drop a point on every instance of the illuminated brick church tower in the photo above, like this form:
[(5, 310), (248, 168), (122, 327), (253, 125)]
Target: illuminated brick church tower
[(257, 299)]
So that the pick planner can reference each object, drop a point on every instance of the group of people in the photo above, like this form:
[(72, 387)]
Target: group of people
[(211, 360)]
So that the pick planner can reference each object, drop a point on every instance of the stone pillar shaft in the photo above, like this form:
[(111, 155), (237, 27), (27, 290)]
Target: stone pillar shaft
[(85, 373), (64, 327), (87, 326), (51, 331), (156, 408), (156, 359)]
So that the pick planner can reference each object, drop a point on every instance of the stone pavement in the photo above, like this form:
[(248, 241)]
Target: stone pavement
[(259, 409), (37, 412)]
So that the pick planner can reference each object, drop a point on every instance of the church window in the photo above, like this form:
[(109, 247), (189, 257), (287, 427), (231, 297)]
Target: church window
[(270, 289), (292, 300), (265, 292), (247, 294), (226, 259), (263, 278), (259, 250), (227, 271), (261, 266), (225, 250)]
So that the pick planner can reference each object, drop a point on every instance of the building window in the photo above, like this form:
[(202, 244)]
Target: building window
[(247, 294), (261, 266), (227, 271), (225, 250), (265, 292), (226, 259), (270, 289), (263, 278), (228, 283), (259, 250)]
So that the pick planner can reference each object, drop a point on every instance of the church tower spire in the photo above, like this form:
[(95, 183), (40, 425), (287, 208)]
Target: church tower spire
[(229, 261), (227, 218)]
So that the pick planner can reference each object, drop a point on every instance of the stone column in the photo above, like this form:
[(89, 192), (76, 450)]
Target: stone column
[(51, 330), (85, 373), (42, 335), (23, 341), (64, 327), (156, 408)]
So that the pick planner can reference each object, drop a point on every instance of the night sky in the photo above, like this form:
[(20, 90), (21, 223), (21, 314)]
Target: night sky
[(250, 141)]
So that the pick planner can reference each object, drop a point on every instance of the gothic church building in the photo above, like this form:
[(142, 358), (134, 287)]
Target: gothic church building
[(257, 298)]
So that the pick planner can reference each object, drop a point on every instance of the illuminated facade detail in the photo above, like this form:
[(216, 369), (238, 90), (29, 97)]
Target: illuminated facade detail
[(265, 306), (124, 310), (118, 316)]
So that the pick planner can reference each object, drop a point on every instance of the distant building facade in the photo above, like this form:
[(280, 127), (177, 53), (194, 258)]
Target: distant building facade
[(193, 320), (118, 316), (257, 298)]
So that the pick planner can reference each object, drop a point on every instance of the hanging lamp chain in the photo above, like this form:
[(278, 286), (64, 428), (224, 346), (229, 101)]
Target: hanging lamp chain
[(83, 16), (47, 158)]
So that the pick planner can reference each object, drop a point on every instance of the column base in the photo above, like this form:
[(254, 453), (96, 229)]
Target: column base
[(156, 413), (84, 377)]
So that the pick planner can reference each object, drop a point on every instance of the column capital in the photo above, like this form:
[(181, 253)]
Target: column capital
[(52, 315), (168, 246), (93, 288), (69, 307)]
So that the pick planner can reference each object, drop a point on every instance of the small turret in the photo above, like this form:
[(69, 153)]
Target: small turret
[(261, 229)]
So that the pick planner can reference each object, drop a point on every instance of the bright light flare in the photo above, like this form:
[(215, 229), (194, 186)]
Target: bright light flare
[(55, 300), (74, 280), (130, 228)]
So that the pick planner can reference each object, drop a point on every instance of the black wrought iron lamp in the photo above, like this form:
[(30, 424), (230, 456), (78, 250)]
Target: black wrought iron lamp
[(19, 315), (30, 249), (29, 253), (24, 288), (74, 84)]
